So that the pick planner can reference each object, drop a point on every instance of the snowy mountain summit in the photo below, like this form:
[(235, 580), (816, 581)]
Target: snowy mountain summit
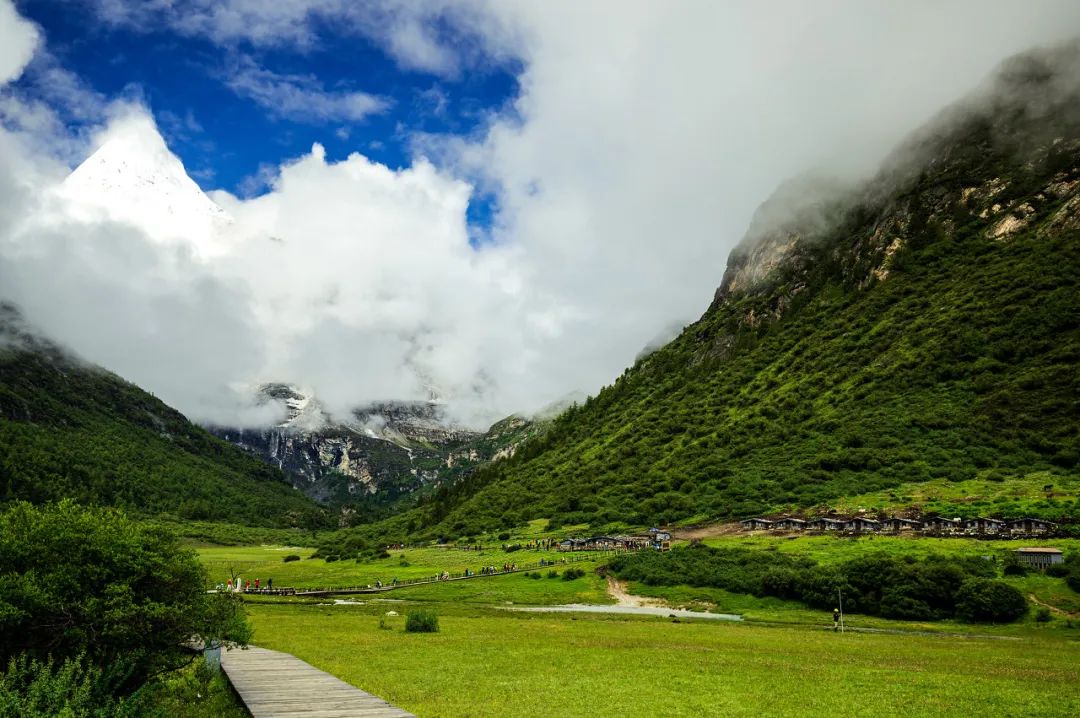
[(133, 178)]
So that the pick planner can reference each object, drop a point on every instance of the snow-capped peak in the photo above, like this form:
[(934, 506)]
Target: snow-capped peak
[(134, 178)]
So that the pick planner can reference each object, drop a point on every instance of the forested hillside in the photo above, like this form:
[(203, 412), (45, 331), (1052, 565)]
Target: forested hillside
[(70, 430), (926, 326)]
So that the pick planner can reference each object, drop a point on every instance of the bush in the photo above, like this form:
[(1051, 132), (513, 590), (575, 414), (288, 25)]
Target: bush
[(572, 573), (290, 558), (552, 574), (1043, 615), (984, 600), (91, 582), (1013, 567), (422, 622), (1057, 570), (504, 536), (534, 574), (74, 687)]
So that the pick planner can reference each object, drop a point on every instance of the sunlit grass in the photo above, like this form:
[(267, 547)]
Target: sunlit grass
[(484, 663)]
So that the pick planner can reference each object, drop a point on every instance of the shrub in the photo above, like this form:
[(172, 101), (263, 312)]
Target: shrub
[(1057, 570), (1013, 567), (1043, 615), (981, 599), (572, 573), (422, 622), (91, 581), (504, 536), (74, 687), (290, 558), (535, 574), (553, 574)]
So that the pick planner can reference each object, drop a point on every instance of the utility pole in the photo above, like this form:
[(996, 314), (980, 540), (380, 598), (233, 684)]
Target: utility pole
[(841, 600)]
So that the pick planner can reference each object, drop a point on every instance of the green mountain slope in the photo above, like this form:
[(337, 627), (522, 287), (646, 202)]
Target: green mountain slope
[(926, 326), (70, 430)]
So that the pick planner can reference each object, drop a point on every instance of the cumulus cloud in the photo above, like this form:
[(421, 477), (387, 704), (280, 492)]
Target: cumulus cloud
[(627, 169), (18, 38), (301, 98), (438, 36)]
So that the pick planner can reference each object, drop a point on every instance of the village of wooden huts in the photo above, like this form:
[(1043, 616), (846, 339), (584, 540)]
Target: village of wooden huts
[(655, 538), (931, 525)]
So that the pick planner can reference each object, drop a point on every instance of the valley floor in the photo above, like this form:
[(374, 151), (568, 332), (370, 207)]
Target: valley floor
[(783, 659), (484, 663)]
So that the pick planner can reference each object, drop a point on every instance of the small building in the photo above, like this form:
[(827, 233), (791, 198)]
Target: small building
[(1038, 557), (756, 524), (572, 544), (943, 525), (862, 525), (789, 524), (1028, 527), (659, 535), (899, 525), (984, 526), (825, 524)]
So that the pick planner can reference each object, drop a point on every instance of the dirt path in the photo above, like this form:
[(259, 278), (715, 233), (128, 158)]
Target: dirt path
[(617, 590), (704, 532), (1053, 609)]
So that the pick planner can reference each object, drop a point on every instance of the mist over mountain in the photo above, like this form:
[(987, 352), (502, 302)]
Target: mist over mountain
[(922, 326), (500, 268)]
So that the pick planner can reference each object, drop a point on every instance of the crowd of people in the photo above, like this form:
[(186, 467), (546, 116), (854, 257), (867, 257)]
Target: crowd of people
[(239, 585)]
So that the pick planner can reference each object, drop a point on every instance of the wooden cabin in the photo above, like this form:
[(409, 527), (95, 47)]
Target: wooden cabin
[(1038, 557), (1028, 527), (862, 525), (789, 524), (898, 525), (942, 525), (825, 524), (756, 524), (984, 526)]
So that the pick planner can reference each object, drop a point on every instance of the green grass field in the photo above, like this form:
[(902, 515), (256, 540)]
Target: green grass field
[(487, 663), (781, 661), (266, 562)]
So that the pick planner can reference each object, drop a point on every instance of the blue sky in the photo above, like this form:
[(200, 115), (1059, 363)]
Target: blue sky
[(223, 135)]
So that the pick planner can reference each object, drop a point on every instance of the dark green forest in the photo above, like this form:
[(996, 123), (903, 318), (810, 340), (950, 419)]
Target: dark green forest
[(70, 430)]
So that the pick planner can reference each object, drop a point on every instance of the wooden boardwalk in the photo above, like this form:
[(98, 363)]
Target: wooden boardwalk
[(277, 685)]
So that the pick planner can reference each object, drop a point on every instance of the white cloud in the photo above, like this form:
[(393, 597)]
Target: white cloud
[(631, 163), (301, 98), (18, 38), (438, 36)]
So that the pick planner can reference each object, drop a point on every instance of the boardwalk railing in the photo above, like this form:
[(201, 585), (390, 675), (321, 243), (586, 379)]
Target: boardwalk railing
[(380, 587), (443, 577)]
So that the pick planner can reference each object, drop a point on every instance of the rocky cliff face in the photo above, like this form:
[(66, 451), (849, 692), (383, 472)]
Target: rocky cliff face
[(1007, 157), (383, 452)]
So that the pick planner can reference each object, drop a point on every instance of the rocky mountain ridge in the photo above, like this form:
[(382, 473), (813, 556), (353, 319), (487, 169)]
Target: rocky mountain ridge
[(382, 453)]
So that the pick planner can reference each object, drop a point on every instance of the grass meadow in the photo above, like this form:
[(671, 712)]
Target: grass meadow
[(782, 660), (487, 663)]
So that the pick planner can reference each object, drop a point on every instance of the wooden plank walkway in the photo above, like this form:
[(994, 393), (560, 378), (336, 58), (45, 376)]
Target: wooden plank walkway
[(278, 685)]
